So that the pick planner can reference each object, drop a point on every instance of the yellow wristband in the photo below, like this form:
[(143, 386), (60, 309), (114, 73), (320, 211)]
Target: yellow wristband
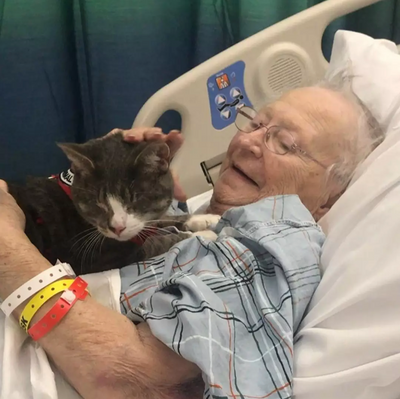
[(40, 299)]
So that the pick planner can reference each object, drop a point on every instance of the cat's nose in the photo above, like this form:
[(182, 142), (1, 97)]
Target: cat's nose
[(117, 229)]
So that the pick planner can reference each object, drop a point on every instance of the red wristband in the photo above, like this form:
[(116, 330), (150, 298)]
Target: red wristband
[(76, 291)]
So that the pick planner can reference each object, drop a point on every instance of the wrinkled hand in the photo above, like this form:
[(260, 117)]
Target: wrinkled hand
[(11, 215), (173, 139)]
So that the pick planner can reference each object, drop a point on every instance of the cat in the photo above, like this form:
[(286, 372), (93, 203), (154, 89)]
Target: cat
[(109, 209)]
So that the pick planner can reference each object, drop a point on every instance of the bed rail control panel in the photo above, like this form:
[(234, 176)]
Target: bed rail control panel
[(211, 168), (226, 93)]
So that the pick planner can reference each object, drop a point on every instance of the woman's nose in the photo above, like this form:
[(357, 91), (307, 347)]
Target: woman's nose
[(254, 142)]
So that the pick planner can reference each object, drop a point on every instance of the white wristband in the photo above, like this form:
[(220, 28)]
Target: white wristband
[(34, 285)]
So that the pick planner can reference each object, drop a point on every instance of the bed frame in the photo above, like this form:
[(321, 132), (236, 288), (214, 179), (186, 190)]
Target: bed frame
[(283, 56)]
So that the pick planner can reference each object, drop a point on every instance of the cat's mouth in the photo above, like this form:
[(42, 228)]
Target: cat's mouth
[(123, 232), (120, 236), (122, 225)]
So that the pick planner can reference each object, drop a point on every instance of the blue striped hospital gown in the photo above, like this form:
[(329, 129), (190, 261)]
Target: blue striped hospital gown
[(232, 306)]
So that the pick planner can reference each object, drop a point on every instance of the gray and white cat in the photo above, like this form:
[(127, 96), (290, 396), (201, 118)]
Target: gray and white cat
[(115, 212)]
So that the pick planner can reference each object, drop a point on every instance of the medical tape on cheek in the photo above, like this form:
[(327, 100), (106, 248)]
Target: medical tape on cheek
[(40, 299), (34, 285)]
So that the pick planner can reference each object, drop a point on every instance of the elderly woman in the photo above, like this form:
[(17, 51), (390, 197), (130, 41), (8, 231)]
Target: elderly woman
[(226, 309)]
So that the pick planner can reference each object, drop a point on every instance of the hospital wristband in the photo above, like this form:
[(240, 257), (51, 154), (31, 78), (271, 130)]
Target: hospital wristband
[(34, 285), (40, 299), (77, 291)]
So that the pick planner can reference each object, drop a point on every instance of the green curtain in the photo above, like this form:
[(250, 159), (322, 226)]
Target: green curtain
[(247, 17), (71, 70)]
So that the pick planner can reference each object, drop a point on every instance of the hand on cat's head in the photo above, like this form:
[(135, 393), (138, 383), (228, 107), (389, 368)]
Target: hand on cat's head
[(11, 215), (173, 139)]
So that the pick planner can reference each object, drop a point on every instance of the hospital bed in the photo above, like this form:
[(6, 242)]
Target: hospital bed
[(283, 56), (348, 346)]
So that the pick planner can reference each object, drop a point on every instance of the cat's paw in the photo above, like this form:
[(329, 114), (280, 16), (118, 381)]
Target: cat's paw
[(208, 234), (202, 222)]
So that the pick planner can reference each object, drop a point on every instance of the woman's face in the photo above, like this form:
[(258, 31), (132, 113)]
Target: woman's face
[(317, 119)]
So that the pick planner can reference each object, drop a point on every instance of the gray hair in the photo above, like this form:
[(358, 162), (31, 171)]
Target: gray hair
[(357, 145)]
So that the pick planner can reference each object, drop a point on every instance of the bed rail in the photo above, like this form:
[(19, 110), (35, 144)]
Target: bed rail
[(285, 55)]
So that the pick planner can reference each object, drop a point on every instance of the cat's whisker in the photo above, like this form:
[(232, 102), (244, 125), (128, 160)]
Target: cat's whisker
[(79, 244), (83, 247), (150, 233), (102, 242), (159, 230), (88, 232), (152, 228), (82, 232), (86, 253), (82, 250), (95, 244), (166, 222), (143, 236), (83, 240), (93, 247), (90, 251)]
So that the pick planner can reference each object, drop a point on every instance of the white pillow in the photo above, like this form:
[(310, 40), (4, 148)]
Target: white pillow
[(199, 203), (349, 343)]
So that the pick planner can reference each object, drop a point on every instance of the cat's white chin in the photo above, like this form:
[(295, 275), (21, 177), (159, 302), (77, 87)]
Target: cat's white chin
[(119, 238), (124, 236)]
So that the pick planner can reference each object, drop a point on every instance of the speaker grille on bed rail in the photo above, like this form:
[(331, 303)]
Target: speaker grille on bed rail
[(285, 73)]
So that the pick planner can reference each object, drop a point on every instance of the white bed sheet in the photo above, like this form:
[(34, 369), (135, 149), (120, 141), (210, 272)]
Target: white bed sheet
[(199, 203)]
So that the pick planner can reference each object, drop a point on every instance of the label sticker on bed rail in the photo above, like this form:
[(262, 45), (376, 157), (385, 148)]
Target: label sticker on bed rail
[(226, 93)]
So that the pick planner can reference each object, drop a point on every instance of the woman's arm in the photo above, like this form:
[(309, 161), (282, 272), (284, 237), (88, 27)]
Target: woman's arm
[(99, 351)]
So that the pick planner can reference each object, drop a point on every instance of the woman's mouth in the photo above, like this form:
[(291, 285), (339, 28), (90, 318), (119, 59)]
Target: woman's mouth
[(243, 175)]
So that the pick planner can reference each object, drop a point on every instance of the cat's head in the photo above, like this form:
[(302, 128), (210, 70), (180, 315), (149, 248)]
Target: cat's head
[(119, 186)]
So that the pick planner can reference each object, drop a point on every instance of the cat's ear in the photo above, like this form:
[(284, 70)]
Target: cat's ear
[(156, 156), (77, 155)]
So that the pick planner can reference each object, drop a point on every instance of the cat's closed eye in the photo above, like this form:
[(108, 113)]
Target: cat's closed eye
[(102, 206), (92, 212)]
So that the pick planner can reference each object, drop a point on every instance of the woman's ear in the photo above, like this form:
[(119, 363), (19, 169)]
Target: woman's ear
[(77, 154)]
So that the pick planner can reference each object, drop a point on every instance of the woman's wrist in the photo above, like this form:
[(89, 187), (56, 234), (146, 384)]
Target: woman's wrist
[(19, 260)]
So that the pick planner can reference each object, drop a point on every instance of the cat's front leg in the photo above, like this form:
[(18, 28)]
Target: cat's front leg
[(201, 223), (186, 226), (192, 223)]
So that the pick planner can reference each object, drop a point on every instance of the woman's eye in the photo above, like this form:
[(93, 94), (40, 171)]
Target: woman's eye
[(288, 144), (285, 146), (254, 125)]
